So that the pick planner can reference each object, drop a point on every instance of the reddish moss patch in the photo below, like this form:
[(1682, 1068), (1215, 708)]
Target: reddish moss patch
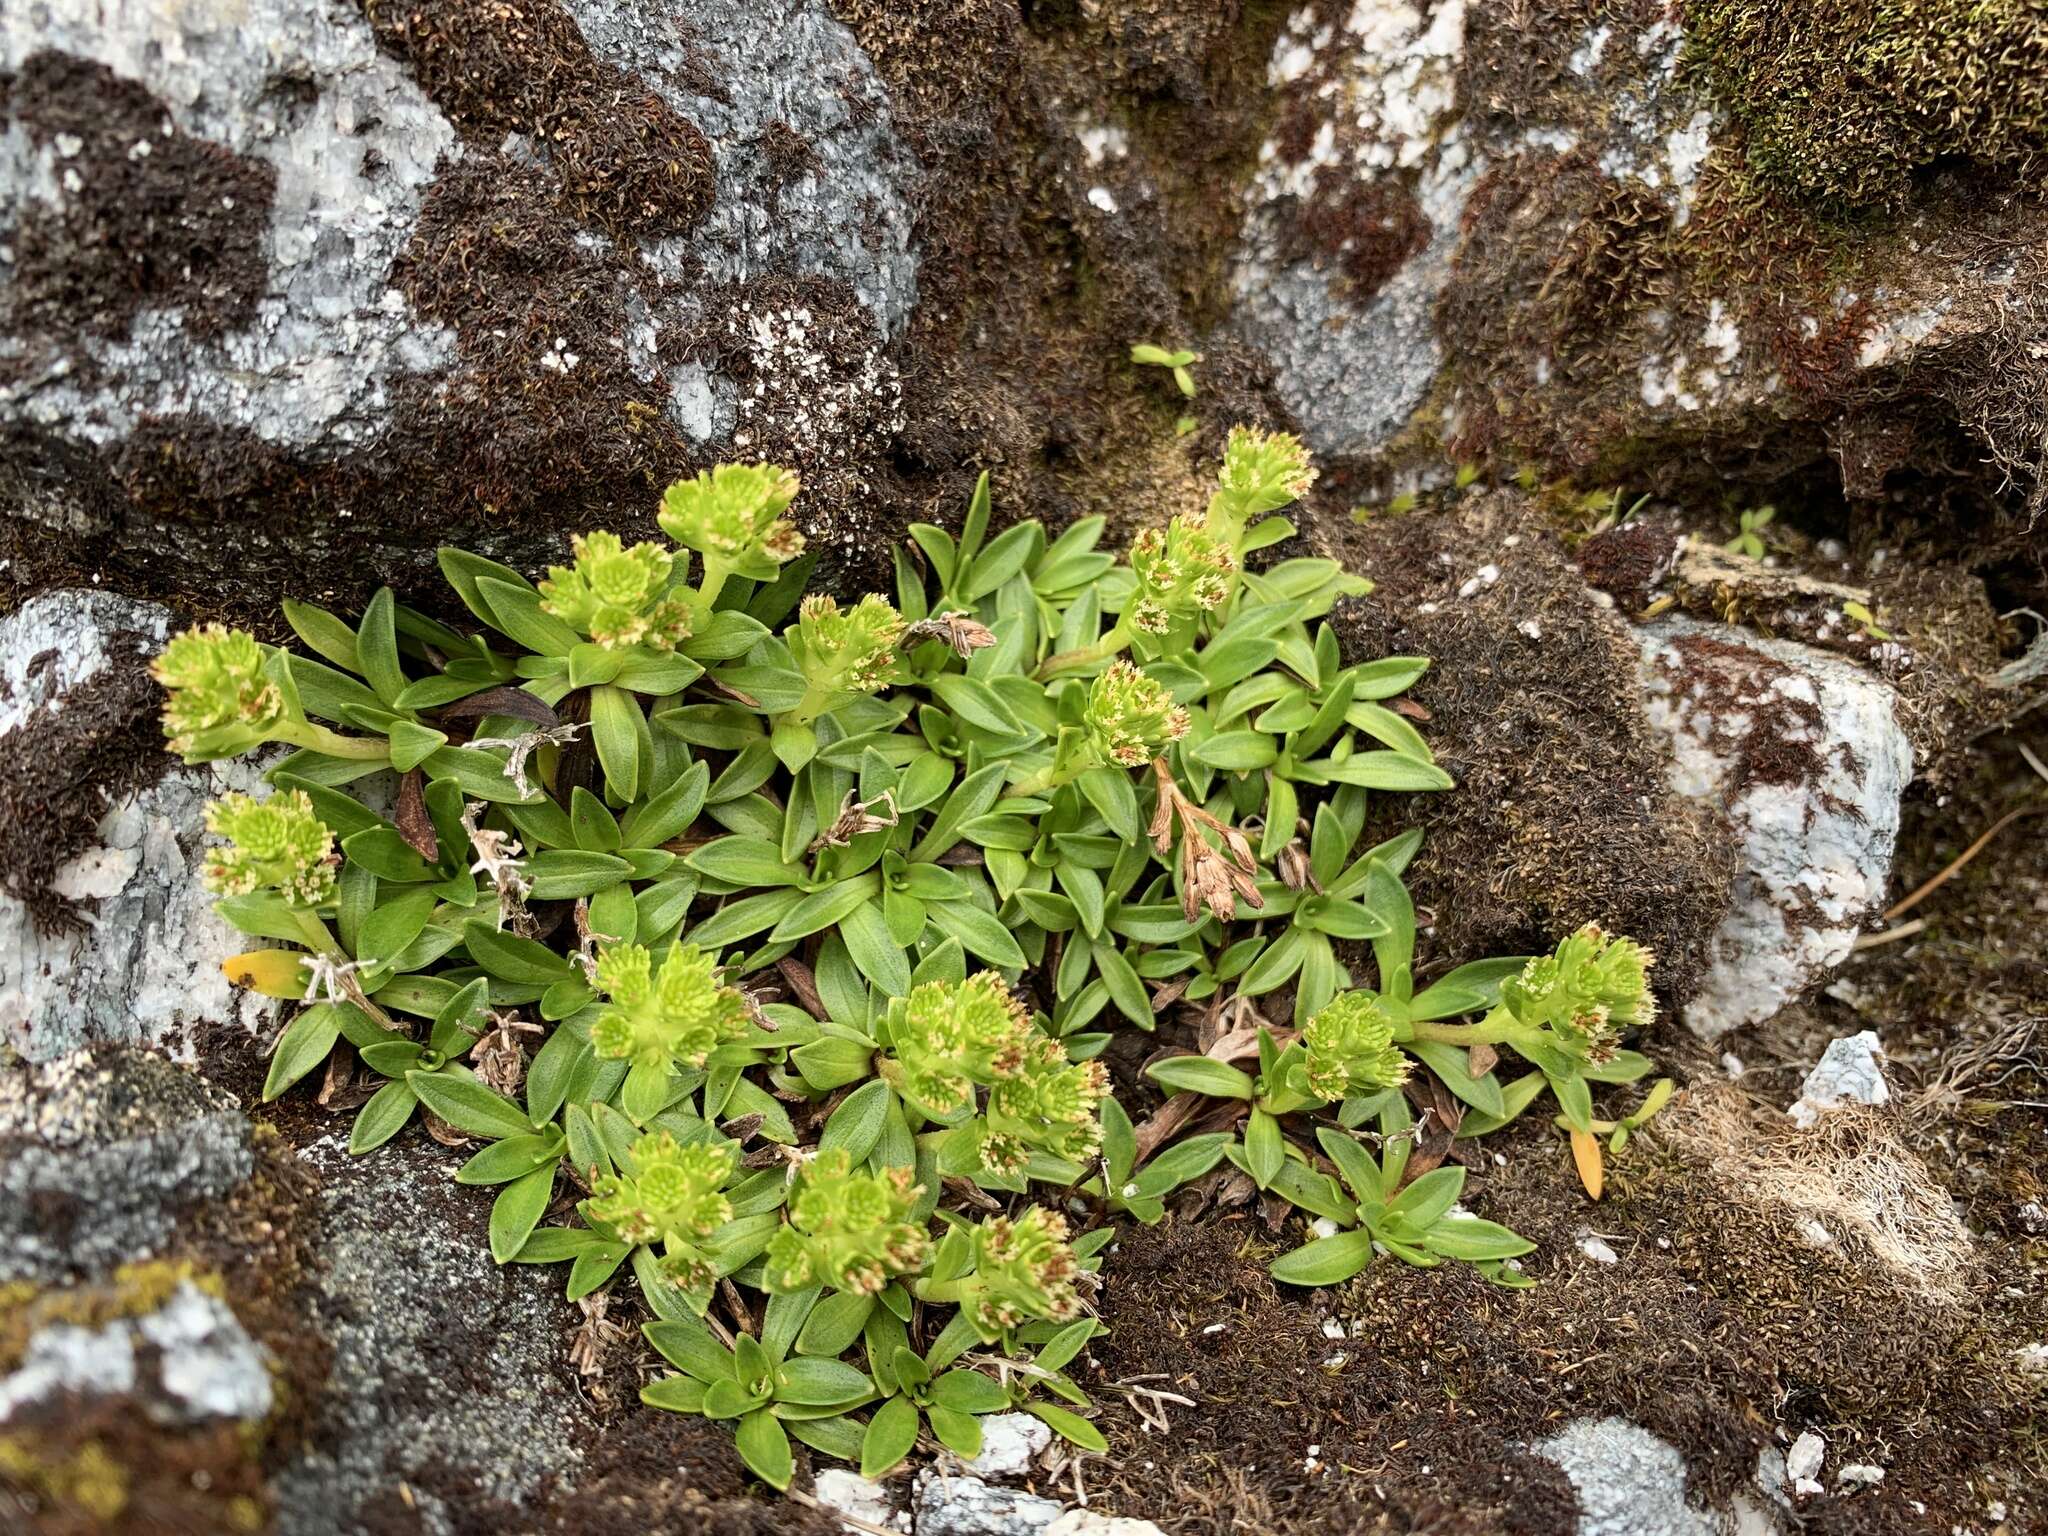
[(147, 216)]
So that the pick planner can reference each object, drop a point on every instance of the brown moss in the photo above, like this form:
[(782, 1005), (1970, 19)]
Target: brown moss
[(147, 216), (1563, 813), (59, 769), (627, 161)]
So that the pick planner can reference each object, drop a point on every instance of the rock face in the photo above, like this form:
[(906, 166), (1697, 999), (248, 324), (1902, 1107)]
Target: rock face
[(520, 262), (1574, 233), (105, 933), (1803, 754)]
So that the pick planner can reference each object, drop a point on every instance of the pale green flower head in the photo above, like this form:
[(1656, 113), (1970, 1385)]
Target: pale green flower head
[(846, 649), (1024, 1271), (277, 845), (1048, 1105), (849, 1230), (1130, 716), (674, 1017), (220, 702), (733, 514), (675, 1196), (949, 1036), (1182, 570), (615, 595), (1262, 472), (1586, 991), (1349, 1045)]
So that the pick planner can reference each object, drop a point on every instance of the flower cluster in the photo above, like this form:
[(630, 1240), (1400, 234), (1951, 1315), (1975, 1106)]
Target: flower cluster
[(674, 1196), (948, 1037), (1585, 992), (1023, 1269), (1048, 1104), (278, 844), (846, 650), (1349, 1048), (220, 703), (1182, 569), (1262, 472), (675, 1017), (1130, 717), (617, 596), (733, 515), (853, 1231)]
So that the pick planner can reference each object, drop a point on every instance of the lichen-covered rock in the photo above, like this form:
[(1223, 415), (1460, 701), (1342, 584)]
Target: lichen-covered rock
[(105, 931), (1803, 754), (951, 1505), (450, 1372), (1850, 1071), (184, 1362), (100, 1157), (1597, 236), (1629, 1482), (435, 259)]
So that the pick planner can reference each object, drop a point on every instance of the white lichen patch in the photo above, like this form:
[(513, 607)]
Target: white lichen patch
[(822, 394)]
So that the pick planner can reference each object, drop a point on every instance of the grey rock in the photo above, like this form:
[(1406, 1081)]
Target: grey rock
[(1383, 84), (1803, 754), (315, 361), (786, 72), (967, 1506), (208, 1365), (99, 1156), (145, 968), (1009, 1441), (1089, 1522), (187, 1362), (811, 181), (1850, 1071), (444, 1363), (1629, 1482), (849, 1493)]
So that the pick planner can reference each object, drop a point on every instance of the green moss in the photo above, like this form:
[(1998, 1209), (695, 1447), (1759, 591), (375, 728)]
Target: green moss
[(1843, 100)]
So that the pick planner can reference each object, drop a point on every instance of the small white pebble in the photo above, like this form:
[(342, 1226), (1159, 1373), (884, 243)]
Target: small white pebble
[(1487, 575), (1812, 1230), (1102, 198), (1598, 1251), (1215, 1328), (1862, 1474), (1332, 1329), (1732, 1064), (1531, 628)]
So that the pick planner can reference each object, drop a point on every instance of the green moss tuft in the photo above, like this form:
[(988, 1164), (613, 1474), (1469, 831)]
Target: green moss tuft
[(1844, 100)]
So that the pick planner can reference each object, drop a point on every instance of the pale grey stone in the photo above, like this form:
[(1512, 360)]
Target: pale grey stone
[(1850, 1071), (1629, 1482), (1803, 754), (953, 1505)]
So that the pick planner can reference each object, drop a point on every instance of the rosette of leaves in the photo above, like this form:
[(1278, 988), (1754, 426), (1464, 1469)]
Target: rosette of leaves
[(759, 1386), (836, 807), (931, 1391), (1416, 1223)]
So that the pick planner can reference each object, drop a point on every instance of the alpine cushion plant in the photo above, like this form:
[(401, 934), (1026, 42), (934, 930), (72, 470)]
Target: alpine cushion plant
[(766, 942)]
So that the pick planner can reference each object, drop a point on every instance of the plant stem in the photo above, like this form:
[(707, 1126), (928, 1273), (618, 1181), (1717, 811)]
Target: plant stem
[(317, 738), (1496, 1027), (314, 931), (1071, 661), (715, 572)]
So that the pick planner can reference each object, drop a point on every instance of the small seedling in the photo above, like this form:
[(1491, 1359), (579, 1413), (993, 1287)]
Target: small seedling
[(1179, 363), (1749, 541)]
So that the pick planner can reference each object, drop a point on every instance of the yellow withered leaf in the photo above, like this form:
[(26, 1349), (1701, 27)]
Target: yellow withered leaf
[(273, 972), (1586, 1153)]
